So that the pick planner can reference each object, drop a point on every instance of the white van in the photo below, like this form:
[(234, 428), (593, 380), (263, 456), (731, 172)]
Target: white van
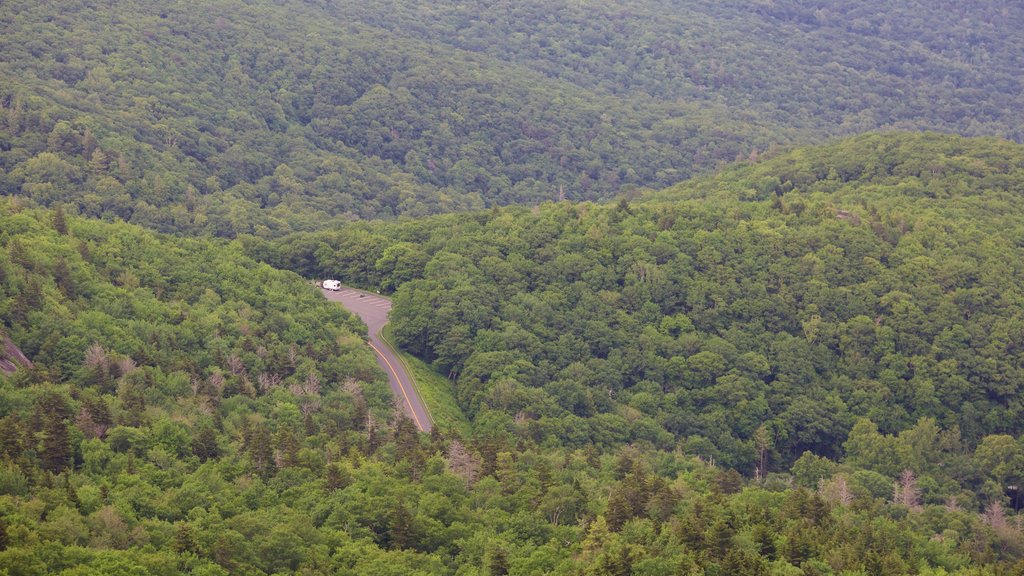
[(332, 285)]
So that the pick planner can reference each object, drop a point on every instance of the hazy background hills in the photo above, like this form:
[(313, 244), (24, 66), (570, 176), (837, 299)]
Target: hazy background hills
[(230, 117)]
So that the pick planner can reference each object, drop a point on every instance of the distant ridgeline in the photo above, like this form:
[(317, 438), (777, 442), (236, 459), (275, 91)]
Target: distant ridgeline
[(265, 118)]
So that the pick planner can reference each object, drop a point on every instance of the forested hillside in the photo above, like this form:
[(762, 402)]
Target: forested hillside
[(831, 300), (266, 118), (192, 412), (669, 330)]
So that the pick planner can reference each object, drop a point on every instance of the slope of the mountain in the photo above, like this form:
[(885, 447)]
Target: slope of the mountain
[(193, 412), (878, 278), (237, 117), (838, 65)]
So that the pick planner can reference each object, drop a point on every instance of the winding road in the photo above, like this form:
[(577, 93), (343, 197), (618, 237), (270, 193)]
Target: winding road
[(373, 309)]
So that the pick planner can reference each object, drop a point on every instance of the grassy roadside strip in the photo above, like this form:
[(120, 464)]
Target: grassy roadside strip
[(433, 388)]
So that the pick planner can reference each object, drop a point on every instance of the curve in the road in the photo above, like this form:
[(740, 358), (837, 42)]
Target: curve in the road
[(373, 310), (405, 394)]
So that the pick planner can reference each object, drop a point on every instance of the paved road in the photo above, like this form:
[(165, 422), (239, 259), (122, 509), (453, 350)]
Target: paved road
[(373, 309)]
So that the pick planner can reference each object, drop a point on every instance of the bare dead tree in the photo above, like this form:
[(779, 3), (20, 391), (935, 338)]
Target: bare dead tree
[(905, 491), (95, 356), (86, 423), (267, 381), (235, 365), (126, 366), (351, 386), (462, 462), (311, 385), (216, 382), (837, 490), (763, 443), (995, 517), (308, 390)]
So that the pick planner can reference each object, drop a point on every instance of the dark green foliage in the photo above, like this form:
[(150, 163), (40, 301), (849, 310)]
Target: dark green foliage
[(233, 118), (261, 451), (497, 562), (60, 223), (52, 413), (204, 444)]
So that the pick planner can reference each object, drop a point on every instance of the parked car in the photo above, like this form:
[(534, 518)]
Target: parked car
[(332, 285)]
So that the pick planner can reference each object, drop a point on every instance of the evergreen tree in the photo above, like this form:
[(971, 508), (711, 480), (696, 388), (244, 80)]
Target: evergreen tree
[(496, 563), (132, 401), (55, 454), (18, 254), (62, 278), (5, 540), (287, 448), (261, 450), (12, 437), (338, 476), (204, 443), (60, 223), (184, 539), (400, 527)]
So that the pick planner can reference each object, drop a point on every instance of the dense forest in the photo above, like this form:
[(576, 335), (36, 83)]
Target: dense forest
[(189, 410), (266, 118), (695, 287), (834, 301)]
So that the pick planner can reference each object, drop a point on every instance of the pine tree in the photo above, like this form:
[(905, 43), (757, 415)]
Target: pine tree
[(764, 538), (497, 562), (407, 441), (12, 437), (287, 448), (204, 444), (400, 527), (133, 402), (261, 450), (5, 540), (56, 444), (436, 437), (60, 223), (70, 492), (99, 161), (89, 143), (62, 278), (18, 255), (184, 540), (619, 510), (798, 545), (99, 412), (739, 563), (720, 538), (338, 476)]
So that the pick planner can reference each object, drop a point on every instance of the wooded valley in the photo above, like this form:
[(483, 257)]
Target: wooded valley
[(693, 287)]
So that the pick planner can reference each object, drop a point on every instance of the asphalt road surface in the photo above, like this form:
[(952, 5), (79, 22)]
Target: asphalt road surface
[(373, 309)]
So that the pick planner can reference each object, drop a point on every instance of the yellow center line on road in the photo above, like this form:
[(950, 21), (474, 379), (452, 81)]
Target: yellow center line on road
[(400, 385)]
